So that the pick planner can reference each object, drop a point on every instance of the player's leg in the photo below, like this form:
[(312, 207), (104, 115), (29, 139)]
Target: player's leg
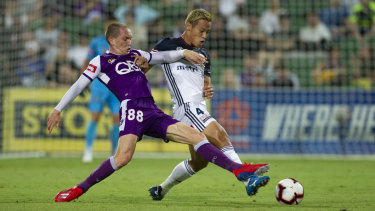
[(114, 106), (131, 130), (196, 114), (165, 126), (217, 135), (200, 157), (180, 173), (185, 134), (122, 157), (182, 133), (196, 163), (129, 135), (188, 168)]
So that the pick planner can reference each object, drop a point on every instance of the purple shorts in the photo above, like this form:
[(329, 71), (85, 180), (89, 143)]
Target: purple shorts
[(142, 116)]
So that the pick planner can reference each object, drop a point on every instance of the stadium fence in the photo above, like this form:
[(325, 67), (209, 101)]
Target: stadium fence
[(290, 76)]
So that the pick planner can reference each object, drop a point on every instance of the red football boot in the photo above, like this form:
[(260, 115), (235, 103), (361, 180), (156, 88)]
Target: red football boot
[(68, 195), (248, 170)]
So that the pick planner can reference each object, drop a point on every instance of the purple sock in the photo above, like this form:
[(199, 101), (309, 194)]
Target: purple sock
[(103, 171), (212, 154)]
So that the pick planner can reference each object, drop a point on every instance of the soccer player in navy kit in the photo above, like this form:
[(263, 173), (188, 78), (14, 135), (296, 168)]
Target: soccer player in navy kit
[(139, 115), (188, 85), (100, 96)]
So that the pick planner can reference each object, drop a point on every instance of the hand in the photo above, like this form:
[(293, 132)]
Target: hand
[(53, 119), (208, 92), (195, 57), (141, 62)]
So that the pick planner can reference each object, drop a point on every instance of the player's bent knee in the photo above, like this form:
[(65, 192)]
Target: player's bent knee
[(196, 137), (195, 134), (222, 137), (201, 136), (122, 160), (217, 135)]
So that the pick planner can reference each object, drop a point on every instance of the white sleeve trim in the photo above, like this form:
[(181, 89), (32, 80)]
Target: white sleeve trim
[(145, 54), (73, 92), (160, 57)]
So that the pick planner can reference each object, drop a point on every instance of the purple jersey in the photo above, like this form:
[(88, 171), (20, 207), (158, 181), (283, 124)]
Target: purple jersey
[(120, 74), (138, 113)]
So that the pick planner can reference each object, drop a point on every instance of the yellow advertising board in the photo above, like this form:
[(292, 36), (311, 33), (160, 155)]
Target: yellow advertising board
[(25, 119)]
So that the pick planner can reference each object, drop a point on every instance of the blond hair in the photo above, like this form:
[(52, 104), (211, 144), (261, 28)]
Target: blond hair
[(198, 14)]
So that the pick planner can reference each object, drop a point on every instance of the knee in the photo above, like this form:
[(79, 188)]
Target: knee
[(198, 165), (201, 136), (116, 119), (219, 138), (223, 137), (122, 160), (95, 117), (195, 136)]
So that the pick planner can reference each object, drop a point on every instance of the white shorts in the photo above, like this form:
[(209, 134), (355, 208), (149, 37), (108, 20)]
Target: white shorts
[(194, 114)]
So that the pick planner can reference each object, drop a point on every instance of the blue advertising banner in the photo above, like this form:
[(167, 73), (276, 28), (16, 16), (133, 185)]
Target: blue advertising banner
[(288, 121)]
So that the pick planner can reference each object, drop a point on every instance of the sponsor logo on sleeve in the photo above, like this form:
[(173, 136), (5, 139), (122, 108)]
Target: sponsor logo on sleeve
[(91, 68)]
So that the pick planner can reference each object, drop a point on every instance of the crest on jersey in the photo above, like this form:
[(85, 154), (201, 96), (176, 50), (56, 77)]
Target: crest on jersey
[(111, 60)]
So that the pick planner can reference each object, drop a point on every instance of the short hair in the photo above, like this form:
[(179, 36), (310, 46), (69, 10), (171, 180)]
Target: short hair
[(113, 30), (198, 14)]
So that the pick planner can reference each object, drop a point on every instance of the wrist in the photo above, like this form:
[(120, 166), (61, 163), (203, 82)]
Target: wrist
[(182, 52)]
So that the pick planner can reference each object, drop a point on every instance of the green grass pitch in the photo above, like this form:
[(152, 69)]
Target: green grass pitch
[(330, 184)]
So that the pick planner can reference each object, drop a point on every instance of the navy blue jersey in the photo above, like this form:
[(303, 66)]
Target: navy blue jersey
[(167, 44), (185, 79)]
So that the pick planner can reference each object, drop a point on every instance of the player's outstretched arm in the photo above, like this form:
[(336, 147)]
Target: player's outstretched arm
[(160, 57), (54, 117)]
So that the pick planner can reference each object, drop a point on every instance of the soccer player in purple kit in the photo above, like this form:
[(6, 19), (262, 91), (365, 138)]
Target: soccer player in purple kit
[(120, 72)]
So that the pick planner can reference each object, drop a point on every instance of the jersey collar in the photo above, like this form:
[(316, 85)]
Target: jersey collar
[(187, 46)]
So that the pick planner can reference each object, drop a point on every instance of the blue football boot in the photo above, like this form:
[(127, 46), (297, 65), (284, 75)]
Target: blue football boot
[(255, 183), (156, 193)]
